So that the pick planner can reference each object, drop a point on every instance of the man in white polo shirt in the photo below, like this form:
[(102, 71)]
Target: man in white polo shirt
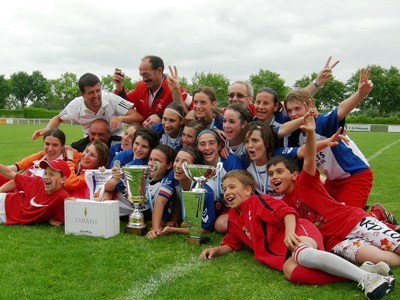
[(93, 104)]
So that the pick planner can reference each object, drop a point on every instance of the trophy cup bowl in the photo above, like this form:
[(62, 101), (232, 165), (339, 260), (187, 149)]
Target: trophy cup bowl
[(193, 201), (136, 180)]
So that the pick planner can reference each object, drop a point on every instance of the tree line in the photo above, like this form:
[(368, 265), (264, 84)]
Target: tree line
[(34, 90)]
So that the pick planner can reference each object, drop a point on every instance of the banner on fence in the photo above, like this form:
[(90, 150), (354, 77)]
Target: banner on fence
[(394, 128), (358, 127)]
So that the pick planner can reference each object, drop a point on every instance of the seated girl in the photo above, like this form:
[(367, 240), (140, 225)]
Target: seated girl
[(170, 194), (94, 157), (209, 144)]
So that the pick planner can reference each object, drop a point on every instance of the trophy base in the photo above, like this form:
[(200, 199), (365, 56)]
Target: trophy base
[(197, 240), (135, 230)]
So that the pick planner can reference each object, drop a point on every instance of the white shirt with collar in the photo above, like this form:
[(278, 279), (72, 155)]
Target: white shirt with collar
[(111, 105)]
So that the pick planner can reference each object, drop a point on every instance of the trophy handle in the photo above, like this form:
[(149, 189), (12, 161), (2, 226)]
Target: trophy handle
[(185, 170), (220, 165), (156, 167)]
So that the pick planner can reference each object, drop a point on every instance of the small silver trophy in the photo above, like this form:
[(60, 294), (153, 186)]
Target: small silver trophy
[(137, 178), (95, 181), (193, 201)]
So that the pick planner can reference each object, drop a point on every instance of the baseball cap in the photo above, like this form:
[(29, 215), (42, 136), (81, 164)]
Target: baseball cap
[(57, 165)]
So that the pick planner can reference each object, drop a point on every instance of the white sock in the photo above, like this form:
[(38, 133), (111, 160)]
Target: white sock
[(309, 257)]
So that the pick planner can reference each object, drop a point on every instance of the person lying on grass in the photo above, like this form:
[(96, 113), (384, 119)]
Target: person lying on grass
[(38, 199), (273, 230)]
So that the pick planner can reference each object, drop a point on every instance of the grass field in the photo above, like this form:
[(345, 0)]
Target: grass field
[(41, 262)]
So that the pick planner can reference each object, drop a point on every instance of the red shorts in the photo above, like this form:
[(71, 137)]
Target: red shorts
[(306, 228), (353, 190)]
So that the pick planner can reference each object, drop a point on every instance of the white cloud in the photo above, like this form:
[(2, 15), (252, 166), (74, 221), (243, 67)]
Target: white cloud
[(235, 38)]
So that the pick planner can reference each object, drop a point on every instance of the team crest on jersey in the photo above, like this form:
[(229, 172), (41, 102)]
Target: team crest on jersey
[(159, 106), (307, 212)]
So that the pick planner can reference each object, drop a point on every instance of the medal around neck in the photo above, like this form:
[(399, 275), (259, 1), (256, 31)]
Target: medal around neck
[(193, 201), (137, 178)]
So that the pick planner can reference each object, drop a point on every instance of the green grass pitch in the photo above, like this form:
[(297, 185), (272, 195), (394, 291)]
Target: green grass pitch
[(41, 262)]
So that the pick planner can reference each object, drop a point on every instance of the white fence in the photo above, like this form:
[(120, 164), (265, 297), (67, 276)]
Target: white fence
[(24, 121), (373, 127)]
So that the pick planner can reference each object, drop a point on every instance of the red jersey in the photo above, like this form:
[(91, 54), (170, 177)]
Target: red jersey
[(333, 219), (32, 204), (140, 98), (260, 226)]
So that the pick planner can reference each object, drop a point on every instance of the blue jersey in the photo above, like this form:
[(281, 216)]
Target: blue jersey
[(172, 186), (114, 150), (239, 151), (166, 139), (337, 162), (217, 122), (124, 157)]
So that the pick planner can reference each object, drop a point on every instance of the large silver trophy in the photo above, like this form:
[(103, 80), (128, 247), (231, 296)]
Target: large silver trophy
[(136, 182), (193, 201)]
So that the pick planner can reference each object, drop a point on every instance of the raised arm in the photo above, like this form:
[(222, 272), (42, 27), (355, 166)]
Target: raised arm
[(310, 150), (118, 79), (364, 88), (323, 76), (53, 123), (173, 84), (288, 127)]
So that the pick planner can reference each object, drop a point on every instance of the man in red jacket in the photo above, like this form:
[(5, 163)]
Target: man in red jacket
[(152, 94)]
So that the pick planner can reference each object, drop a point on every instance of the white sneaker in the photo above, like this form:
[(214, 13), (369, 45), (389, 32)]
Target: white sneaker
[(381, 268), (375, 286)]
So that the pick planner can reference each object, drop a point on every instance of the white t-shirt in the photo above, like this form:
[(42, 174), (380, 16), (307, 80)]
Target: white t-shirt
[(111, 105)]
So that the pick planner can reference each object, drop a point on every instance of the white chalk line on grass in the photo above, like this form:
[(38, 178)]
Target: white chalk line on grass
[(145, 288), (376, 154)]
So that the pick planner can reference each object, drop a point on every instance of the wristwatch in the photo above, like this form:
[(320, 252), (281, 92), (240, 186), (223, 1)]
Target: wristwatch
[(318, 86)]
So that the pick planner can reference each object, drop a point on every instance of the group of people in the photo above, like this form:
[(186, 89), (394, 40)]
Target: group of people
[(269, 194)]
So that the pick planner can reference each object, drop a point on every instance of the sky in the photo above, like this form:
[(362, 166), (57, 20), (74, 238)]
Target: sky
[(236, 38)]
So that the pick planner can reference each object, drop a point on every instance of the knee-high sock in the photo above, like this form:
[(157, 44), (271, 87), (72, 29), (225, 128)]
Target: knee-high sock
[(330, 263)]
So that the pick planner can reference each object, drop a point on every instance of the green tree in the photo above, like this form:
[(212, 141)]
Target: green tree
[(184, 83), (61, 91), (20, 88), (329, 96), (108, 85), (385, 94), (27, 88), (40, 86), (266, 78), (216, 81), (5, 91), (393, 83)]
